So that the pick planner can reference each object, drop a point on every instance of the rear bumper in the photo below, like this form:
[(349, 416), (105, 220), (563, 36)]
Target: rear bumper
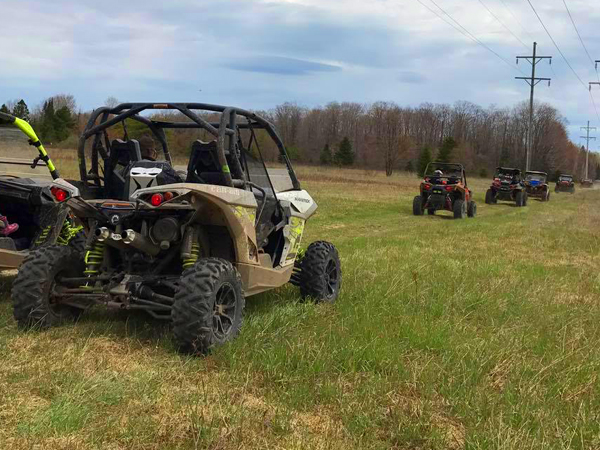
[(437, 201)]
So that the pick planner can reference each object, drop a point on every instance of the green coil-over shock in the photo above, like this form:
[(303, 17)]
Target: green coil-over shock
[(190, 248), (43, 235), (193, 256), (68, 232), (93, 259)]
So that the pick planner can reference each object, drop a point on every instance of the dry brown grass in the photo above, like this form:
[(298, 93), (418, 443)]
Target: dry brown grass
[(448, 335)]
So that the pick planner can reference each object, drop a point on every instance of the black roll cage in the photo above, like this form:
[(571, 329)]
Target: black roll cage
[(228, 126), (455, 165)]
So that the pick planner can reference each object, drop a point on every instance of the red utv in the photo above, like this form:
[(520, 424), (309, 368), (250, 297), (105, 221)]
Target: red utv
[(507, 185), (565, 183), (444, 187)]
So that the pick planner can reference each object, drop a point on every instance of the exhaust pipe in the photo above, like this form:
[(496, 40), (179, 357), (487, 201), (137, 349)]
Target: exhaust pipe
[(139, 242), (104, 235)]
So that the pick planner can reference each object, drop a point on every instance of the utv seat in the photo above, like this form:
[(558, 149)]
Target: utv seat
[(145, 174), (204, 164), (122, 154)]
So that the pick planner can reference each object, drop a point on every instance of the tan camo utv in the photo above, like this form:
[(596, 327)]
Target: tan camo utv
[(183, 245)]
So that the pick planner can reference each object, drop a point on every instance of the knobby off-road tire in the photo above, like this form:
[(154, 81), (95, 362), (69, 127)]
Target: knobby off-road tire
[(460, 209), (31, 291), (208, 306), (519, 199), (471, 209), (546, 196), (489, 197), (321, 273), (418, 206)]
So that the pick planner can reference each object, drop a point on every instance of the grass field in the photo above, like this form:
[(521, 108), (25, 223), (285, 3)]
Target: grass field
[(480, 333)]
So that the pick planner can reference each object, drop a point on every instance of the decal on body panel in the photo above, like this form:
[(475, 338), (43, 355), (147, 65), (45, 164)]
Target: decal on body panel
[(303, 204), (292, 233)]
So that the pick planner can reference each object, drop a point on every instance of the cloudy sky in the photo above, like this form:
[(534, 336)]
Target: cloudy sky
[(257, 54)]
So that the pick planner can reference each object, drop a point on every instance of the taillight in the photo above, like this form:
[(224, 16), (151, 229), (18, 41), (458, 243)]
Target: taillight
[(426, 187), (449, 188), (168, 196), (59, 194), (156, 199)]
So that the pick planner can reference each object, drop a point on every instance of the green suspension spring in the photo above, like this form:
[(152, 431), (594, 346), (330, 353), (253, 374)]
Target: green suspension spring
[(43, 235), (93, 259), (67, 232), (194, 254)]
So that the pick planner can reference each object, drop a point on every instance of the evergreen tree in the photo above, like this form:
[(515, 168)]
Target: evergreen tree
[(21, 110), (344, 156), (326, 156), (4, 109), (47, 121), (445, 152), (63, 124), (409, 167), (424, 159)]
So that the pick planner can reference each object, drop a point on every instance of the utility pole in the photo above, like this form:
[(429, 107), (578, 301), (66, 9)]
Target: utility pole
[(532, 82), (587, 138)]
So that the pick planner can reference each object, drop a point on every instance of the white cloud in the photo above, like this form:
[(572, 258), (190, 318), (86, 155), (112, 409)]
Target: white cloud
[(394, 50)]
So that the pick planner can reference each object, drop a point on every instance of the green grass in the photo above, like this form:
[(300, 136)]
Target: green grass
[(480, 333)]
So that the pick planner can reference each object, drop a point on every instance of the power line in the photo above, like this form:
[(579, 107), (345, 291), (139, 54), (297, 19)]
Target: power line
[(449, 23), (517, 20), (468, 33), (556, 45), (577, 31), (502, 23)]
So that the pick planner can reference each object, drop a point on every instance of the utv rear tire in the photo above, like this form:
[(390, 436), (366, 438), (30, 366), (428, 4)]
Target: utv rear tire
[(31, 289), (471, 209), (208, 306), (460, 209), (418, 206), (321, 273), (519, 199), (489, 197)]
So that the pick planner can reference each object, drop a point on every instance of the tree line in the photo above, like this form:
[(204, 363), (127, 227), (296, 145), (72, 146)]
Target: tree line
[(381, 135), (387, 136), (55, 120)]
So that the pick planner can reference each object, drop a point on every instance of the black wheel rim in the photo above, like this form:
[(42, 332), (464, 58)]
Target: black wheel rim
[(332, 277), (224, 311)]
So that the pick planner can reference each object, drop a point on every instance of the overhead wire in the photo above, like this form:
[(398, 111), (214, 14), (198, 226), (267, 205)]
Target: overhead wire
[(502, 23), (518, 21), (578, 34), (466, 32), (555, 44)]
